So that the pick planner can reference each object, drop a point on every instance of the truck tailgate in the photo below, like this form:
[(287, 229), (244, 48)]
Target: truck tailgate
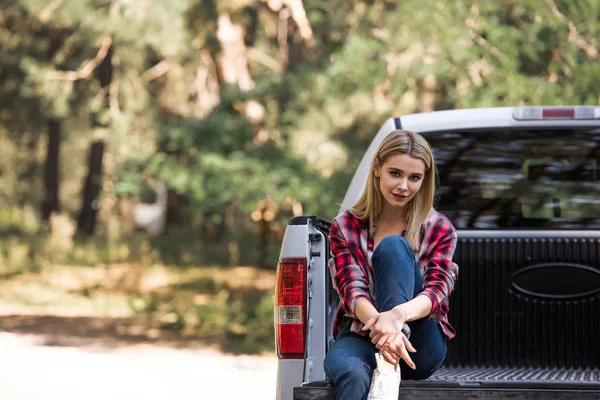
[(486, 383)]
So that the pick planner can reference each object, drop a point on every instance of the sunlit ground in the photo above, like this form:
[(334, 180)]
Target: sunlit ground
[(73, 333), (29, 371)]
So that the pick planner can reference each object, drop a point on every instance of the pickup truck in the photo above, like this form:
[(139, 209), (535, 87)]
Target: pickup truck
[(522, 187)]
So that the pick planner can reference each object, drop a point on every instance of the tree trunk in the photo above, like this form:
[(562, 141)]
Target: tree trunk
[(252, 26), (86, 223), (295, 53), (174, 216), (93, 183), (265, 230), (51, 203), (51, 170)]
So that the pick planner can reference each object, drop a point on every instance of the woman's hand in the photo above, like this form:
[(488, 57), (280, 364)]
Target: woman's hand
[(398, 347), (384, 325), (390, 357), (386, 334)]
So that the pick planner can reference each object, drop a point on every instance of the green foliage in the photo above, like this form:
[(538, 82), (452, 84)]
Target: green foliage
[(365, 62), (247, 324), (239, 322)]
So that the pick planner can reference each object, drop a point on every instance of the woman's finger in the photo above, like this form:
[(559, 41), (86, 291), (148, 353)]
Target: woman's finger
[(376, 338), (382, 341), (394, 348), (369, 323), (408, 344), (406, 357), (390, 357), (390, 345)]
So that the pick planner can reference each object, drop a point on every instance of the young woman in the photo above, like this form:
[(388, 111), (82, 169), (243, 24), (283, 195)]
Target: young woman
[(391, 264)]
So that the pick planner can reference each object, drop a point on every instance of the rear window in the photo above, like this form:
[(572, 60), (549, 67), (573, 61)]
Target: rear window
[(546, 179)]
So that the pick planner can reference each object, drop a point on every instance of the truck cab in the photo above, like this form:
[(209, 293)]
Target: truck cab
[(522, 187)]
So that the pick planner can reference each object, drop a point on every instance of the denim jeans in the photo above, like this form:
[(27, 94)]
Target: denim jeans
[(351, 359)]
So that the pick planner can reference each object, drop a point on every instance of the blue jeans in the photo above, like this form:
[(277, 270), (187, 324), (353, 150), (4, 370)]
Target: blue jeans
[(351, 359)]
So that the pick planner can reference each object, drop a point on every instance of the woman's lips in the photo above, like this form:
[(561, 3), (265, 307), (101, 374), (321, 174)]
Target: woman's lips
[(400, 196)]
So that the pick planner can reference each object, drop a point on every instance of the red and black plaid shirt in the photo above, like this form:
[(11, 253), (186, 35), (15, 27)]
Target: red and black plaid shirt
[(352, 270)]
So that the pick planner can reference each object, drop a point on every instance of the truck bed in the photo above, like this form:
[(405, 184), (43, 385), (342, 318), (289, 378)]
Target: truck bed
[(530, 344), (486, 383)]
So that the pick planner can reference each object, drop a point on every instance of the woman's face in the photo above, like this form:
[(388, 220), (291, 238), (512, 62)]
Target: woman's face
[(400, 178)]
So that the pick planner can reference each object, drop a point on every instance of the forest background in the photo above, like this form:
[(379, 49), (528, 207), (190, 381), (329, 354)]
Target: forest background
[(249, 112)]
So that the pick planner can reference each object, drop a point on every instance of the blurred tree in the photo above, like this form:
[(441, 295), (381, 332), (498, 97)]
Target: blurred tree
[(51, 201), (93, 183), (231, 101)]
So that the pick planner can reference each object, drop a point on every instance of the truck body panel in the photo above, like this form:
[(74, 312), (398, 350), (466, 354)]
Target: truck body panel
[(290, 374), (304, 238)]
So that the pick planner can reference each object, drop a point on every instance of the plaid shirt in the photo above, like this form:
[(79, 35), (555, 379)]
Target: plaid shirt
[(351, 267)]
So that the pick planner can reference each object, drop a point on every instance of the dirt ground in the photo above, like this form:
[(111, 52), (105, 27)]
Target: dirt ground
[(39, 367), (67, 333)]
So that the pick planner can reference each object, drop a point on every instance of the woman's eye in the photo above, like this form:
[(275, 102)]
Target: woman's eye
[(416, 178), (395, 173)]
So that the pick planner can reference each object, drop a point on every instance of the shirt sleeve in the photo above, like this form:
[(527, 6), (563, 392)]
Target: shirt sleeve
[(348, 277), (440, 272)]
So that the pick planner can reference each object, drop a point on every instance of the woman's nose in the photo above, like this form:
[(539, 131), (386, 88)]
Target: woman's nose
[(402, 184)]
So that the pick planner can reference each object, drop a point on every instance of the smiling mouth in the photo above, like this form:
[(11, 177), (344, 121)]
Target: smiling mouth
[(400, 196)]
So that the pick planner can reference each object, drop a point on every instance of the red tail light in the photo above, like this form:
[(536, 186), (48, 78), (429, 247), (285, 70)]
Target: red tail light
[(558, 113), (290, 308)]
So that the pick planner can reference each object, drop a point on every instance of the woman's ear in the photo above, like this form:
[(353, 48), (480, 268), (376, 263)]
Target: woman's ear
[(376, 168)]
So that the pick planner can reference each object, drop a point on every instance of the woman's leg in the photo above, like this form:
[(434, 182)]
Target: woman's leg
[(430, 343), (398, 280), (349, 363)]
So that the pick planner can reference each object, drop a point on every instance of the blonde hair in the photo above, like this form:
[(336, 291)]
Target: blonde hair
[(370, 204)]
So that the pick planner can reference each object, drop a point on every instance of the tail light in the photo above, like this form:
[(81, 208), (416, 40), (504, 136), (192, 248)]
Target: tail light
[(556, 112), (290, 308)]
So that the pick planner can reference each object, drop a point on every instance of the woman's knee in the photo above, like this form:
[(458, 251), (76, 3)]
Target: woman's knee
[(393, 247), (393, 243)]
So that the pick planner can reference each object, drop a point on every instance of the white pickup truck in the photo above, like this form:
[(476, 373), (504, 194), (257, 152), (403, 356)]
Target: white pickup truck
[(522, 187)]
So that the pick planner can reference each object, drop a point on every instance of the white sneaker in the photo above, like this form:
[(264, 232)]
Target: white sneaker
[(385, 384)]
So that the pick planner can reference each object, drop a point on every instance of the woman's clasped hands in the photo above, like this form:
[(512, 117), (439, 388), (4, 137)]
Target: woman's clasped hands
[(386, 334)]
